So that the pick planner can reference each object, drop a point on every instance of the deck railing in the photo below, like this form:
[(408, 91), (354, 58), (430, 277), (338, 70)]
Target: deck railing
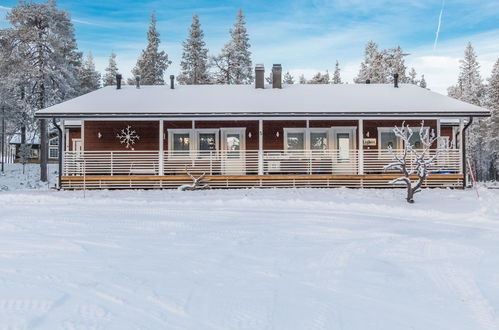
[(249, 162)]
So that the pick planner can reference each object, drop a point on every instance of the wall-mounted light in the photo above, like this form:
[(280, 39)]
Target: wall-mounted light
[(249, 135), (99, 135), (367, 134), (277, 134)]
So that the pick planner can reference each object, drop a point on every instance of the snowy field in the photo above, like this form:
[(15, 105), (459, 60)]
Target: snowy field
[(248, 259)]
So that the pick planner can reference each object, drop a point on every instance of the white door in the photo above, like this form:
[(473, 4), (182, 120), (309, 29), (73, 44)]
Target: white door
[(344, 145), (233, 151), (77, 157)]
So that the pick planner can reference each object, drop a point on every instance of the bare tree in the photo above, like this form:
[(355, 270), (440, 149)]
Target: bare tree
[(414, 162), (197, 183)]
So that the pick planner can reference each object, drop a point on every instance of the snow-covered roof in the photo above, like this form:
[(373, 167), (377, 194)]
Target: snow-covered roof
[(31, 138), (246, 100)]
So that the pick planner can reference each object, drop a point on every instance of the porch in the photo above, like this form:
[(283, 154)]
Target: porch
[(245, 168)]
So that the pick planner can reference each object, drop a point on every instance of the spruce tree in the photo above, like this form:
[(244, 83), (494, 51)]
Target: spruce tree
[(194, 64), (470, 89), (152, 63), (492, 103), (412, 79), (422, 82), (233, 65), (288, 79), (109, 78), (374, 66), (89, 77), (395, 63), (319, 78), (302, 79), (336, 74)]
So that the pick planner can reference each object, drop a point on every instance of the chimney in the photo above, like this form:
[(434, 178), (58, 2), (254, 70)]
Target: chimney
[(259, 76), (396, 80), (172, 82), (276, 76), (368, 81), (137, 81), (118, 81)]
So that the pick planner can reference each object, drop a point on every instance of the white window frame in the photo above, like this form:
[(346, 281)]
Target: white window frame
[(215, 131), (330, 131), (56, 150), (295, 130), (398, 141), (237, 130), (173, 131), (52, 139)]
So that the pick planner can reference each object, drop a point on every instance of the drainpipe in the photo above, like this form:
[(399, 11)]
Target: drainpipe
[(464, 151), (60, 152)]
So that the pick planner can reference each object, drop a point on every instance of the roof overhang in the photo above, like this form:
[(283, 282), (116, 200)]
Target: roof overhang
[(154, 115)]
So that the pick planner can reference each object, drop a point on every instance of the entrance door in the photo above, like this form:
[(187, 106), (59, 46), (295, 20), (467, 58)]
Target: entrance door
[(77, 156), (344, 144), (233, 151)]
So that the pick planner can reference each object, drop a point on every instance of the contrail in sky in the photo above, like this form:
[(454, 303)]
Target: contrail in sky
[(438, 27)]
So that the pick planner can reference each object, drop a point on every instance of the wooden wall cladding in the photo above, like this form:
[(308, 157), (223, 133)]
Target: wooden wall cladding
[(73, 133), (148, 131)]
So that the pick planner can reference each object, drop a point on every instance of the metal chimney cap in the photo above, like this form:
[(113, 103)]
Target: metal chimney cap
[(259, 67)]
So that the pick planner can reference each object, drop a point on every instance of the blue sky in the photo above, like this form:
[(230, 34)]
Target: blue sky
[(304, 36)]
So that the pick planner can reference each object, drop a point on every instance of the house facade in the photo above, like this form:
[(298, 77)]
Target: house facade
[(253, 136)]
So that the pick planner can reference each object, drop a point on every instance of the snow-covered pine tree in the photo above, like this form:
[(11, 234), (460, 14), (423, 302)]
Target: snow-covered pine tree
[(492, 103), (336, 74), (319, 78), (470, 89), (270, 78), (396, 64), (422, 82), (42, 43), (288, 79), (302, 79), (233, 65), (194, 64), (152, 63), (89, 77), (109, 78), (412, 79), (374, 65)]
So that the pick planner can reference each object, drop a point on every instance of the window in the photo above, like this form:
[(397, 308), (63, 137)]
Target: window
[(53, 153), (54, 142), (207, 141), (388, 140), (34, 153), (318, 141), (179, 139), (295, 141), (415, 139)]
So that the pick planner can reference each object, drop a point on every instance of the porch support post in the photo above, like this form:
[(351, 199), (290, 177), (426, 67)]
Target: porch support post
[(260, 147), (461, 146), (360, 143), (161, 147), (438, 133)]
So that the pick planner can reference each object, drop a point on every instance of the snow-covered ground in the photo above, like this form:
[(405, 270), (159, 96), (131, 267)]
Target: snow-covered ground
[(249, 259)]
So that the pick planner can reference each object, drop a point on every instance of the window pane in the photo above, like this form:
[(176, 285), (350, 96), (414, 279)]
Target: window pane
[(415, 139), (295, 141), (343, 140), (181, 141), (207, 141), (233, 142), (318, 141), (54, 142), (388, 139), (53, 153)]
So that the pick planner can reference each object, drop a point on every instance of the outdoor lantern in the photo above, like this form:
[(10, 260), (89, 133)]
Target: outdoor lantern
[(99, 135), (277, 134), (249, 135)]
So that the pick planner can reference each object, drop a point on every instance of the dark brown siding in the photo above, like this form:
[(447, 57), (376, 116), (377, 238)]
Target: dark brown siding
[(73, 133), (147, 131)]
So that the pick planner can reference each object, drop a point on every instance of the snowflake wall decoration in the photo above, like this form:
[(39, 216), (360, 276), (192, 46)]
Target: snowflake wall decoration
[(128, 136)]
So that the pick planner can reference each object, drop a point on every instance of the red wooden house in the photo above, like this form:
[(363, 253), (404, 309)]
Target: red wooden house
[(253, 136)]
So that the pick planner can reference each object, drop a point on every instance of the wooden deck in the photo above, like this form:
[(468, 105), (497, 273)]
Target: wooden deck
[(252, 181)]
